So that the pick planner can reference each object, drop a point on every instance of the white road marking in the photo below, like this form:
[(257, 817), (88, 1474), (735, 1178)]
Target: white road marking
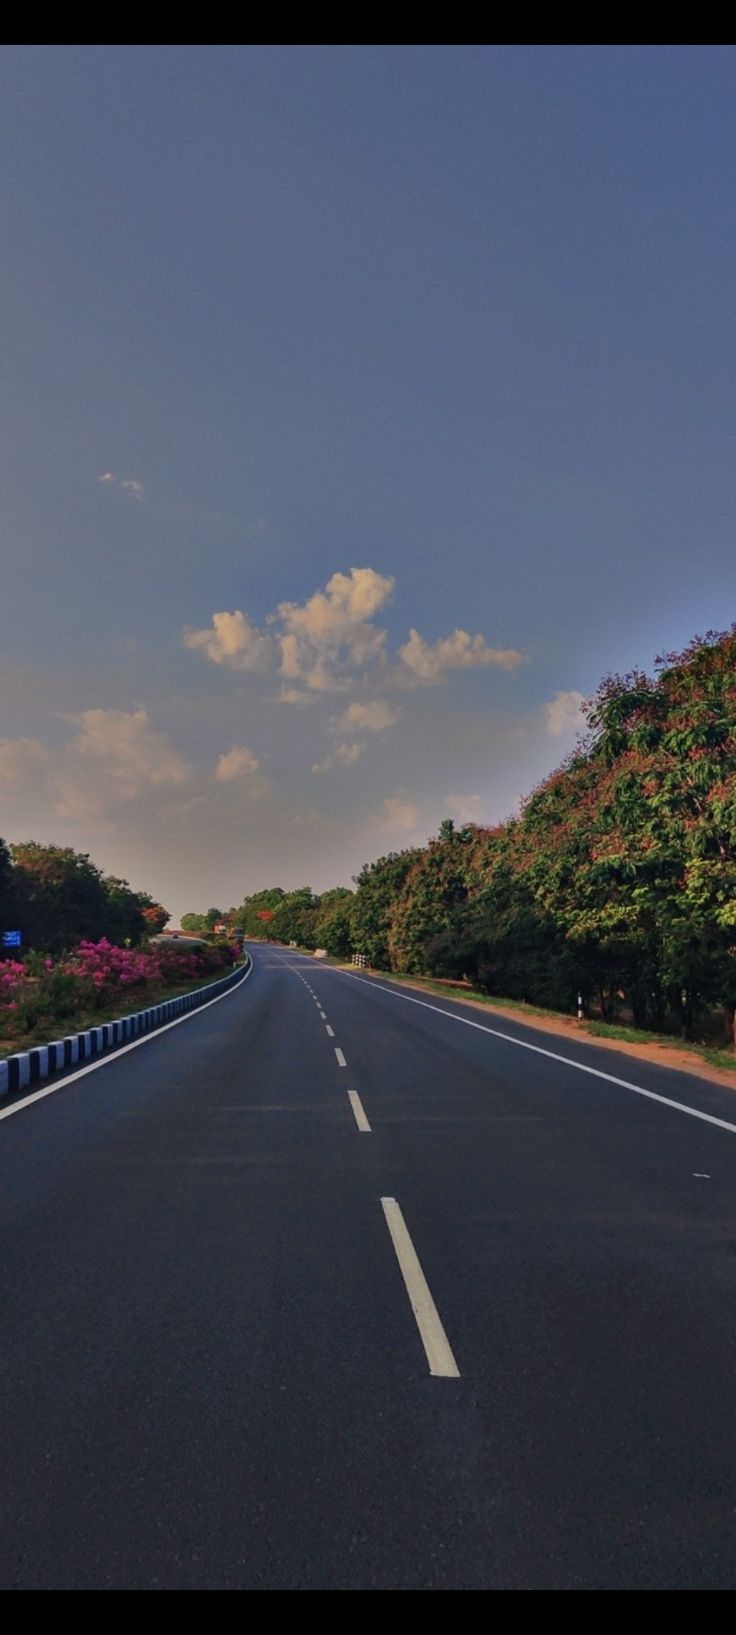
[(699, 1175), (146, 1038), (553, 1055), (436, 1344), (360, 1118), (341, 1062), (323, 1014), (329, 1030)]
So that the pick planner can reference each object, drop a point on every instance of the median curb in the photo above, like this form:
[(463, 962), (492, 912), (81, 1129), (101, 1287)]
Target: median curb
[(28, 1066)]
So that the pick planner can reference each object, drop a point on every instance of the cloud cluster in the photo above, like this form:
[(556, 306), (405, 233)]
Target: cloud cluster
[(112, 759), (331, 642), (427, 663), (326, 643)]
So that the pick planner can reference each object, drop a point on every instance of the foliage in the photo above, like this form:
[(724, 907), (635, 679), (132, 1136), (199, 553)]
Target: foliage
[(96, 976), (57, 897), (378, 889)]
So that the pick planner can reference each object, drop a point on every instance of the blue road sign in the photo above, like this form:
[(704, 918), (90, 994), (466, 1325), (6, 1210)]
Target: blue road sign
[(11, 939)]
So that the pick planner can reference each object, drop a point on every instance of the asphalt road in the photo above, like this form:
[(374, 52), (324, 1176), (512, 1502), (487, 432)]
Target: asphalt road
[(212, 1373)]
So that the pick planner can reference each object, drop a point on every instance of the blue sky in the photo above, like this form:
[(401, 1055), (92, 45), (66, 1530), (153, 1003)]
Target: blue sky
[(459, 319)]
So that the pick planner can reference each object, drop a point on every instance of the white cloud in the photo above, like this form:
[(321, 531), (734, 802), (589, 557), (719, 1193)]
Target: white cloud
[(397, 814), (237, 762), (113, 758), (464, 808), (429, 662), (233, 641), (129, 747), (344, 755), (564, 714), (132, 486), (376, 716), (332, 629)]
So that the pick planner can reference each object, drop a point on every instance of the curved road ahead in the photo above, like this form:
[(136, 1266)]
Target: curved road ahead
[(455, 1314)]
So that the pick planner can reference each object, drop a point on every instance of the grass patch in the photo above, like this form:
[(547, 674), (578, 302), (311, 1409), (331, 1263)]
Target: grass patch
[(457, 990)]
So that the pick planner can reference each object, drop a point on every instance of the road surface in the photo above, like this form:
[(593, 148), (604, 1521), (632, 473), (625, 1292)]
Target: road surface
[(325, 1288)]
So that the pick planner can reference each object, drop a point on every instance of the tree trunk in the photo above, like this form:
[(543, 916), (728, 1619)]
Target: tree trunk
[(729, 1024), (686, 1016), (638, 1008)]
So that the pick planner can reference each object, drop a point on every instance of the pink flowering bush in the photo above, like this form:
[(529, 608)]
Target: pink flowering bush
[(41, 994), (104, 970), (12, 974)]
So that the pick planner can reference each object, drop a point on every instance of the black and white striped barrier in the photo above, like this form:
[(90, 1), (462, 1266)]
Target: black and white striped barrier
[(18, 1071)]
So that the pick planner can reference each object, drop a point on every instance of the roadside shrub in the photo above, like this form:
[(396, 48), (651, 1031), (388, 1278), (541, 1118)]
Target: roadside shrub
[(45, 994)]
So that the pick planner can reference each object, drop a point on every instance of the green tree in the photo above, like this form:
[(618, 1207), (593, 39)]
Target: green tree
[(333, 929), (377, 889), (194, 922), (61, 896), (124, 917), (295, 919), (256, 912)]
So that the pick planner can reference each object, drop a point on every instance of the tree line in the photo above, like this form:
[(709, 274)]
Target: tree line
[(616, 881), (57, 897)]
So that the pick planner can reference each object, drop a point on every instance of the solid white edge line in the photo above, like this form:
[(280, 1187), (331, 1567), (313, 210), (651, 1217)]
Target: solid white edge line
[(438, 1350), (146, 1039), (359, 1113), (553, 1055), (341, 1062)]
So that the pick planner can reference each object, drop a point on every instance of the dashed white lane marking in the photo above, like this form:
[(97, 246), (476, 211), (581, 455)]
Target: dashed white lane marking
[(553, 1055), (323, 1014), (358, 1109), (436, 1344), (329, 1030), (341, 1062)]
